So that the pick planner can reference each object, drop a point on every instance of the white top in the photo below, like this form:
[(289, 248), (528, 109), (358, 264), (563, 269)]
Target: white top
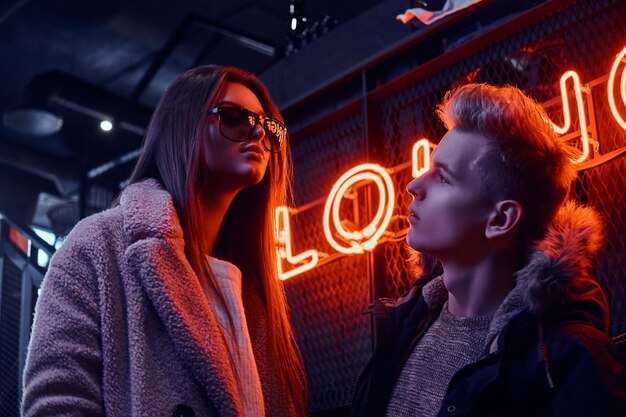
[(237, 337)]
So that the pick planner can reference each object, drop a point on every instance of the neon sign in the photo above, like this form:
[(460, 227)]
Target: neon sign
[(421, 157), (284, 250), (347, 242), (567, 114), (610, 89), (366, 239)]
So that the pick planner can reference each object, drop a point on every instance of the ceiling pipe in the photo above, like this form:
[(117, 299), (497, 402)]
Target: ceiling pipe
[(64, 94), (59, 91), (11, 8), (64, 174), (179, 33)]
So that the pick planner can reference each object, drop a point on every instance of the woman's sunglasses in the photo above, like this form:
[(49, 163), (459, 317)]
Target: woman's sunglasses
[(238, 124)]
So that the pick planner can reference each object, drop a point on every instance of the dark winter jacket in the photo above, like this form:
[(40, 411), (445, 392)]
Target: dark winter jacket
[(548, 352)]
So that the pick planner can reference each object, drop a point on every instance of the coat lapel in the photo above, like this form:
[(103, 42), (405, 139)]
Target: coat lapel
[(157, 259)]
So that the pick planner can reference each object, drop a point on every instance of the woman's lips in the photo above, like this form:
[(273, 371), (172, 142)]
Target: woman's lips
[(253, 155), (253, 152)]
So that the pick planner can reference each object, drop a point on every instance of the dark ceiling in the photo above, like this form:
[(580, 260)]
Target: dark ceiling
[(112, 43), (92, 60)]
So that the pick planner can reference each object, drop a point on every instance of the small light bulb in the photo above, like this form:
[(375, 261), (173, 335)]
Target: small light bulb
[(294, 23), (106, 125)]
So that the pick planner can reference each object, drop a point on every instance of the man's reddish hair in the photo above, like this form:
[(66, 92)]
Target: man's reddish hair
[(524, 160)]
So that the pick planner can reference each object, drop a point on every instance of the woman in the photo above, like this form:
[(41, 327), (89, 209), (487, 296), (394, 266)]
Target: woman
[(169, 303)]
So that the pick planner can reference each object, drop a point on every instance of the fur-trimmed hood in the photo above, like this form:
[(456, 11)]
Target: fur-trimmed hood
[(558, 273)]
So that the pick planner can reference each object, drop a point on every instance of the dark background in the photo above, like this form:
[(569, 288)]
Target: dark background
[(361, 90), (92, 60)]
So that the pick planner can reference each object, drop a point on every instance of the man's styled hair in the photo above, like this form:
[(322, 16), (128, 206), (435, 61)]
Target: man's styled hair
[(524, 160)]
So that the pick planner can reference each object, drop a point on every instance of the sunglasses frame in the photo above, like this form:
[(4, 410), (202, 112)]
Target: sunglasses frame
[(258, 119)]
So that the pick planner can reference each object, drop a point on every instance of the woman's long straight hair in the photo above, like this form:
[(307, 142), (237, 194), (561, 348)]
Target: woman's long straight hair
[(173, 154)]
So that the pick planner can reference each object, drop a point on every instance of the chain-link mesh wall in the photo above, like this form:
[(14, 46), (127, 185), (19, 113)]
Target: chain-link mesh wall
[(10, 331), (326, 302), (333, 336), (604, 187), (20, 279)]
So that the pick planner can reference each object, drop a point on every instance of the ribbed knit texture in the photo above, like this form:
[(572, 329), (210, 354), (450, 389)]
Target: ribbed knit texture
[(237, 337), (449, 344)]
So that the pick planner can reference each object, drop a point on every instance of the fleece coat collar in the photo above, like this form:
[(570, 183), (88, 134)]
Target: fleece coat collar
[(156, 255)]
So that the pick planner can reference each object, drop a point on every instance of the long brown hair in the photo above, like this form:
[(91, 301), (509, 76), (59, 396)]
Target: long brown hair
[(172, 154)]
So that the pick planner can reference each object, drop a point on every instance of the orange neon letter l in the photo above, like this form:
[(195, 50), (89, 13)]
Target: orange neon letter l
[(284, 251)]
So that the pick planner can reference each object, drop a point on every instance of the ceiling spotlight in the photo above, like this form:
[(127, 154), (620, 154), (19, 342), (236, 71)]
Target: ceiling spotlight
[(106, 125), (32, 121)]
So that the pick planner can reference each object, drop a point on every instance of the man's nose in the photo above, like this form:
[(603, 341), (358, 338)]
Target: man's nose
[(416, 189)]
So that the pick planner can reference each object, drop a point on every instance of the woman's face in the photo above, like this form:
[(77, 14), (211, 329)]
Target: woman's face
[(236, 165)]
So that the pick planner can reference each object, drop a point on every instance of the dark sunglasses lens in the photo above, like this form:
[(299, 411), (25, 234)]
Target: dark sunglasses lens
[(235, 123), (276, 135)]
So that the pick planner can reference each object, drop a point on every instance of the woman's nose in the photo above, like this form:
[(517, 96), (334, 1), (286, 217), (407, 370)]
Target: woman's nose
[(258, 132)]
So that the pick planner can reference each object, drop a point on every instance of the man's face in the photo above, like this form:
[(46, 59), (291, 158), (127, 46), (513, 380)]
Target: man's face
[(448, 215)]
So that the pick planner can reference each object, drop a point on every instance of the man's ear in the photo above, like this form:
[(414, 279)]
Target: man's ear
[(505, 216)]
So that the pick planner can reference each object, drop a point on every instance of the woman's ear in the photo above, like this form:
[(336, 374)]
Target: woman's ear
[(505, 217)]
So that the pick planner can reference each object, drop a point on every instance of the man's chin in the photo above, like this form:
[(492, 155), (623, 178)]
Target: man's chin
[(414, 242)]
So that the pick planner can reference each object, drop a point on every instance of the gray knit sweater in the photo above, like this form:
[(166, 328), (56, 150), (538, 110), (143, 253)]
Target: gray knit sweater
[(450, 344)]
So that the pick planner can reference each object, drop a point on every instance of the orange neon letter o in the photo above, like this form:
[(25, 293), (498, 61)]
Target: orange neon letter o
[(368, 237), (610, 88)]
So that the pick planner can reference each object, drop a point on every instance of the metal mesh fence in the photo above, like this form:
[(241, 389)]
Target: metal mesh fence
[(10, 331), (604, 188), (332, 334), (326, 302)]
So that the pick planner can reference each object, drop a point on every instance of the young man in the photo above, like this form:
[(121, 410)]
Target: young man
[(512, 323)]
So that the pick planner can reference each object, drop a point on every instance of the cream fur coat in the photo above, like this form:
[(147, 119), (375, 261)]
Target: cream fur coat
[(123, 328)]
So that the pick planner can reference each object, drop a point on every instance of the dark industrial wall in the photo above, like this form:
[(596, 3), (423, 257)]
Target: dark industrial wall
[(531, 51), (20, 279), (395, 108)]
